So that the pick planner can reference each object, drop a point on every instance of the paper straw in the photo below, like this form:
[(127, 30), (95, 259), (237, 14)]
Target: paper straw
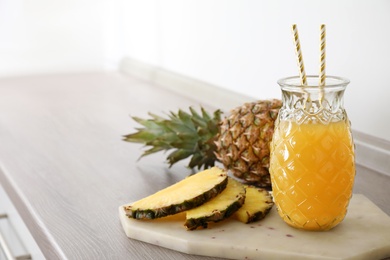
[(322, 54), (298, 53)]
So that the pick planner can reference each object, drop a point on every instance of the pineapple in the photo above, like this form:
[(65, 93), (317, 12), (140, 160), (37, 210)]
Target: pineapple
[(219, 208), (243, 141), (240, 142), (181, 196), (258, 202)]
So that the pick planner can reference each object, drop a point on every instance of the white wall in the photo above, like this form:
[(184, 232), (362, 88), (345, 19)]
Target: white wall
[(241, 45), (246, 45), (45, 36)]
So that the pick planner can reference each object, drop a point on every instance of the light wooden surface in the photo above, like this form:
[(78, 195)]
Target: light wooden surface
[(66, 168)]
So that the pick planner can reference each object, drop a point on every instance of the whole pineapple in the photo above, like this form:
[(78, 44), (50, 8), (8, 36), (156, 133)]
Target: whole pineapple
[(243, 140), (240, 142)]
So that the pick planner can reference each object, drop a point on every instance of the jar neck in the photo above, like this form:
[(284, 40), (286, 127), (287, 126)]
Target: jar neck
[(311, 103)]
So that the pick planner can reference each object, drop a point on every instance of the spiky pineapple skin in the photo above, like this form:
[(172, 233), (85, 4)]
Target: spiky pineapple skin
[(243, 140)]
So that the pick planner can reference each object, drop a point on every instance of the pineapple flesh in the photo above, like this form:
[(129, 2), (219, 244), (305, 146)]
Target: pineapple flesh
[(258, 203), (189, 193), (221, 207)]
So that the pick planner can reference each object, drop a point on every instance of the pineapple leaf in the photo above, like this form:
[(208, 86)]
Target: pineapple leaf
[(151, 126), (199, 123), (139, 137), (213, 125), (178, 155), (156, 117), (164, 145), (178, 127), (205, 115), (197, 120), (152, 150), (187, 134), (149, 123), (181, 119), (184, 145), (184, 117), (194, 113), (195, 161)]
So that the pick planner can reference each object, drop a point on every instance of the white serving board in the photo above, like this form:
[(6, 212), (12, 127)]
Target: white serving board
[(364, 234)]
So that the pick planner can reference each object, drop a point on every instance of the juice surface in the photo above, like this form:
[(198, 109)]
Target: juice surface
[(312, 171)]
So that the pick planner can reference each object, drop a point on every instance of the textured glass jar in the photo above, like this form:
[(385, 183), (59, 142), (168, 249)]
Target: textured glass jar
[(312, 162)]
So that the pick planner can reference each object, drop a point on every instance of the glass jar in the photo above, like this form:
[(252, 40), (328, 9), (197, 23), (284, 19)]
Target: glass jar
[(312, 161)]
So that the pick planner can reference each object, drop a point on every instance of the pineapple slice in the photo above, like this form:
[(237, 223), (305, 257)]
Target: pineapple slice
[(219, 208), (258, 203), (184, 195)]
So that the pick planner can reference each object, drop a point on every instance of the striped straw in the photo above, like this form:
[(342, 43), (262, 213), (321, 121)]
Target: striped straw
[(322, 54), (298, 53)]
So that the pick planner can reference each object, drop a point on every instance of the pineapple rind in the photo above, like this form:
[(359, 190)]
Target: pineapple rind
[(257, 205), (243, 140), (219, 208), (189, 193)]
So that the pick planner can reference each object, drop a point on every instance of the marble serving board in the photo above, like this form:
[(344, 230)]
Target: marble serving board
[(364, 234)]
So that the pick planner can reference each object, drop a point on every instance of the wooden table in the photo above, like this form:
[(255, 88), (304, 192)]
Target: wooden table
[(66, 169)]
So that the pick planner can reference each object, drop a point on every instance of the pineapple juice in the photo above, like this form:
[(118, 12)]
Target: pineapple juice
[(312, 160), (313, 169)]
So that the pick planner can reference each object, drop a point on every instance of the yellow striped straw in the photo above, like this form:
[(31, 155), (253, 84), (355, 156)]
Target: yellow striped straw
[(322, 54), (298, 52)]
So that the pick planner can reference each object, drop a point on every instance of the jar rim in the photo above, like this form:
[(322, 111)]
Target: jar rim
[(313, 82)]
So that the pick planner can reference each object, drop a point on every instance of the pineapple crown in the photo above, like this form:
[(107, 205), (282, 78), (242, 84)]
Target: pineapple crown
[(188, 134)]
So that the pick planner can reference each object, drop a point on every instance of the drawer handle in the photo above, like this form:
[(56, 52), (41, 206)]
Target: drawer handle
[(6, 249), (3, 244)]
